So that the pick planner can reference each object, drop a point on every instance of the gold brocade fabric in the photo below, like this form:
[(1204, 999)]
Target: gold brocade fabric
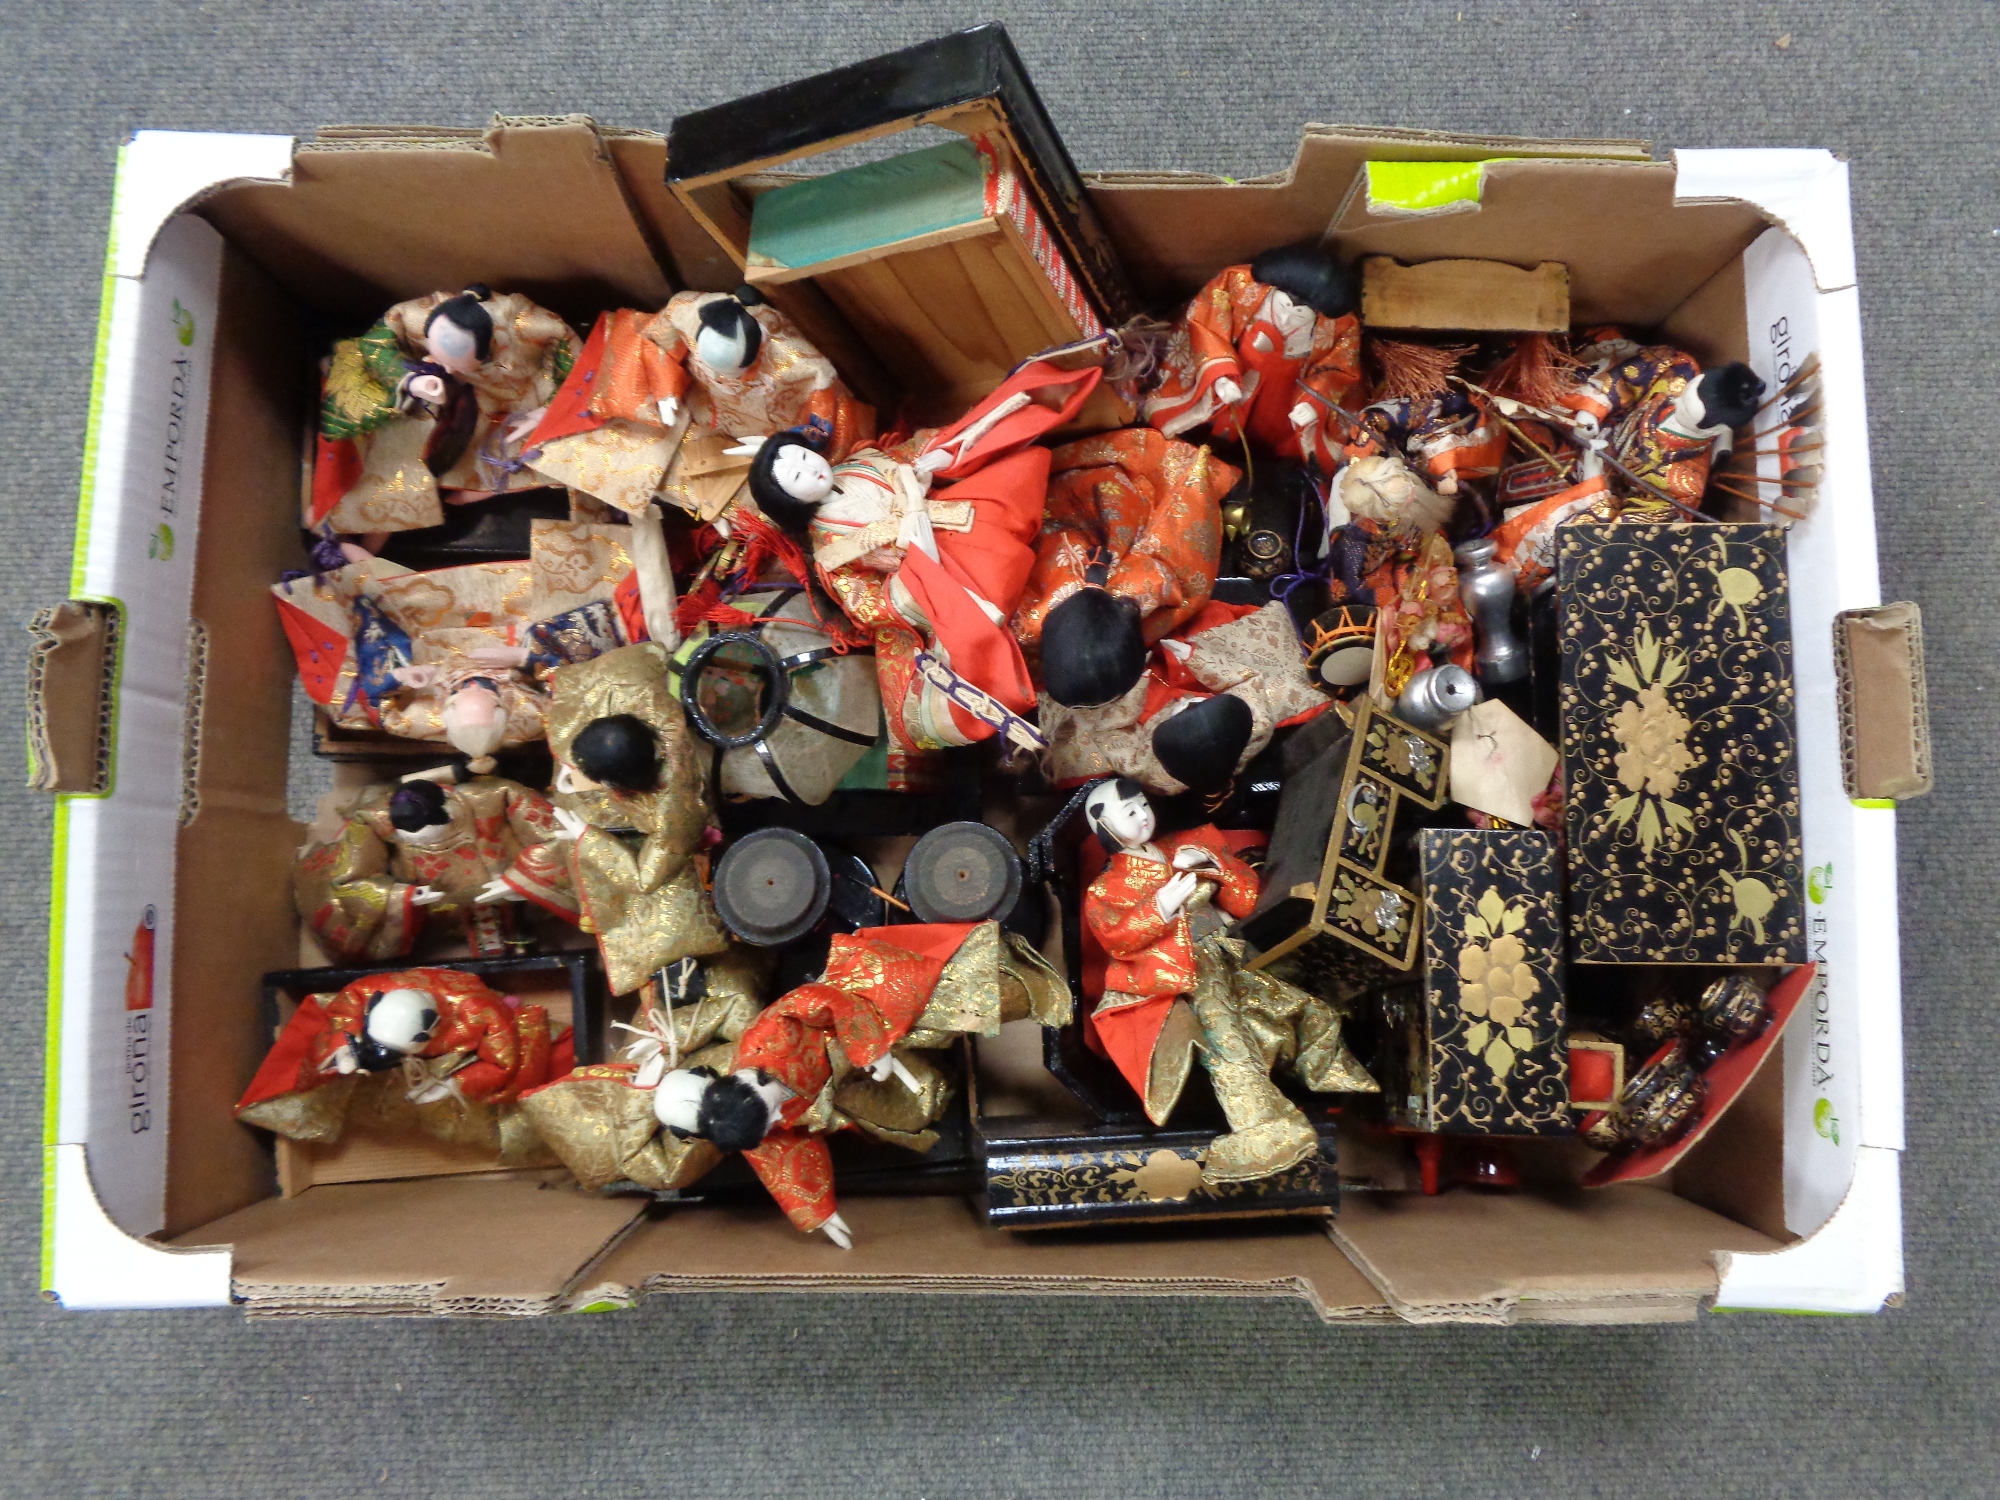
[(396, 491), (890, 1111), (995, 976), (316, 1114), (623, 463), (601, 1125), (647, 906)]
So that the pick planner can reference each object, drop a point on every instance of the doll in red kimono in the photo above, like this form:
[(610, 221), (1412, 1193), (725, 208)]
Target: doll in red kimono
[(422, 850), (649, 390), (844, 1052), (1266, 350), (1128, 552), (928, 546), (433, 404), (464, 1052), (1175, 986)]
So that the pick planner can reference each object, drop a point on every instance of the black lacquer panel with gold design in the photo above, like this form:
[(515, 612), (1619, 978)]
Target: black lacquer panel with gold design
[(1679, 743), (1485, 1042)]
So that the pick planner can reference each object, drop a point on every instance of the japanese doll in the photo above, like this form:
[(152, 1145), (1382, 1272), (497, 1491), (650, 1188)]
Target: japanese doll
[(1212, 695), (656, 399), (631, 789), (927, 546), (1655, 412), (429, 1049), (843, 1052), (1269, 351), (1175, 987), (423, 852), (459, 654), (1129, 545), (431, 405)]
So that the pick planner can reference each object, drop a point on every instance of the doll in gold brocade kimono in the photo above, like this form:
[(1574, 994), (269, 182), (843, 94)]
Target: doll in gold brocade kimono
[(459, 654), (656, 400), (928, 546), (630, 788), (423, 852), (432, 404), (1266, 350), (843, 1052), (428, 1049), (1175, 986)]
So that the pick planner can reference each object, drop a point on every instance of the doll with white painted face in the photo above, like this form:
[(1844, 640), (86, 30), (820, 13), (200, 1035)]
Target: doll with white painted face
[(431, 406), (928, 547), (434, 1048), (420, 853), (1176, 986)]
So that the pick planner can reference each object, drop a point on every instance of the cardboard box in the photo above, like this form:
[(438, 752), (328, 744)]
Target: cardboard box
[(228, 256)]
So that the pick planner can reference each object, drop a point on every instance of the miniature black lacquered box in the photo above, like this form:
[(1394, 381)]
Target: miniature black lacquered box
[(1680, 766)]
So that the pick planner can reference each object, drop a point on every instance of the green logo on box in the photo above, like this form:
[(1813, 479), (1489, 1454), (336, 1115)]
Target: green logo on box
[(1819, 880), (1824, 1121), (183, 324), (162, 544)]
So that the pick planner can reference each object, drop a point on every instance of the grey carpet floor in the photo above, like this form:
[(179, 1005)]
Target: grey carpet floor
[(863, 1396)]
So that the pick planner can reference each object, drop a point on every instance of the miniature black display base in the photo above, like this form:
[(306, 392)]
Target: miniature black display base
[(1056, 1176), (858, 814), (496, 530), (589, 1001)]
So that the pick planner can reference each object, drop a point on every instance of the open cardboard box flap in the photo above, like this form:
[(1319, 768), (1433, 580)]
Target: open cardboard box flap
[(580, 219)]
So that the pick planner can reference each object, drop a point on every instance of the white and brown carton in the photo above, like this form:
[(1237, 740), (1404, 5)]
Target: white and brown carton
[(162, 724)]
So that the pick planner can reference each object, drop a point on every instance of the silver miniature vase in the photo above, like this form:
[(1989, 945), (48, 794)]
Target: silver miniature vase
[(1433, 698), (1487, 590)]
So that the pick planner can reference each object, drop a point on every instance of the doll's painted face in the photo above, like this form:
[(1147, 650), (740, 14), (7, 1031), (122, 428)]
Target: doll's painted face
[(453, 346), (803, 474), (475, 722), (402, 1020), (1288, 315), (1124, 818)]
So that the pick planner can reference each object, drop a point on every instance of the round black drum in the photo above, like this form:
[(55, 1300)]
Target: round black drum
[(772, 887), (962, 872)]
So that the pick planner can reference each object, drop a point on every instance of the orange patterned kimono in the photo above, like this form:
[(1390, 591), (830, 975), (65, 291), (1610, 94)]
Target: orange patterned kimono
[(1631, 391), (356, 893), (1228, 332), (876, 986), (1153, 504), (490, 1046)]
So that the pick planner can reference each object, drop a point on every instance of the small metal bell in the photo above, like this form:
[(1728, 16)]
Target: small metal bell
[(1487, 589)]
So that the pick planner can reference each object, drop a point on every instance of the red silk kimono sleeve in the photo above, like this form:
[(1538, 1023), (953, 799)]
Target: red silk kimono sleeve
[(797, 1170)]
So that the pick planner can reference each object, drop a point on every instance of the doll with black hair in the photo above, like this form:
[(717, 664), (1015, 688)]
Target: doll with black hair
[(927, 546), (1130, 542), (422, 852), (1176, 986), (431, 405), (630, 789), (655, 401), (1206, 703), (1266, 350), (846, 1051), (436, 1046)]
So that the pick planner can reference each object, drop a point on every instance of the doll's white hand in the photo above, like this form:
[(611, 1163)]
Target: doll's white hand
[(1227, 391), (1194, 857), (342, 1061), (571, 825), (1303, 415), (889, 1064), (1585, 423), (526, 423), (427, 895), (426, 388), (1172, 896), (496, 890), (837, 1231), (436, 1089), (670, 410)]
